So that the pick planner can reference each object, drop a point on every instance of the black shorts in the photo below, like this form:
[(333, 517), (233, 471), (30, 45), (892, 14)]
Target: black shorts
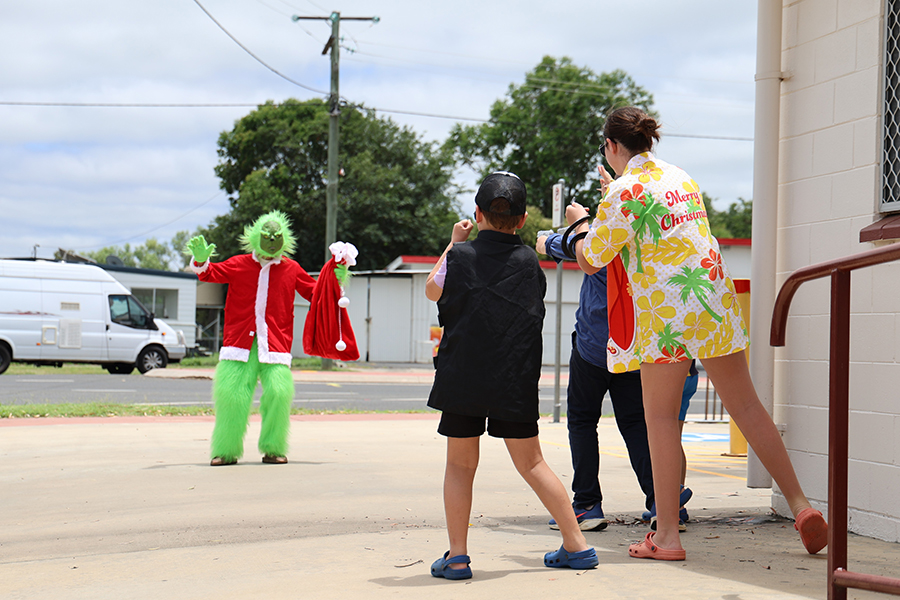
[(460, 426)]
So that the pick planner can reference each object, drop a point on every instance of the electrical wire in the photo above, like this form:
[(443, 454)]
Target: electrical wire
[(258, 59), (348, 104), (502, 122), (130, 104), (128, 239)]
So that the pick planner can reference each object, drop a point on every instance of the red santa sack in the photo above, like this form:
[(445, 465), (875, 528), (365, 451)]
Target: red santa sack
[(327, 332)]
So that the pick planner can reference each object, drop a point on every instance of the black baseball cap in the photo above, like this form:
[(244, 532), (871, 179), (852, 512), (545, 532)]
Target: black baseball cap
[(502, 184)]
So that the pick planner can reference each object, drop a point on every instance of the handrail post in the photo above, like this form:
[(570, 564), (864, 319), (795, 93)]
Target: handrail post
[(839, 578), (838, 417)]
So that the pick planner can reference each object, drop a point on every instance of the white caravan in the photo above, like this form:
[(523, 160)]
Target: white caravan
[(51, 313)]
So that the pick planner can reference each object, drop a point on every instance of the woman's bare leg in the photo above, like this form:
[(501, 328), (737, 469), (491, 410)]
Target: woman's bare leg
[(662, 385), (731, 377)]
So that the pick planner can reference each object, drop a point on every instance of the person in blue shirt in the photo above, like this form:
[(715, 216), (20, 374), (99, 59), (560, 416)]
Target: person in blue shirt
[(589, 381)]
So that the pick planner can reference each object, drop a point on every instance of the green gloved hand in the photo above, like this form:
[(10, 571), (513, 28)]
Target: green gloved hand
[(199, 249)]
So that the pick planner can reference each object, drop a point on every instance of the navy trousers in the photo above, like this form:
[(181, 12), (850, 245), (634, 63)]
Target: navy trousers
[(588, 385)]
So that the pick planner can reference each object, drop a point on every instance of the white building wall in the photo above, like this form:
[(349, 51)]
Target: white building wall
[(828, 191)]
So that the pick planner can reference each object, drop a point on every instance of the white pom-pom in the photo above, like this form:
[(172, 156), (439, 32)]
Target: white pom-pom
[(344, 302), (340, 346)]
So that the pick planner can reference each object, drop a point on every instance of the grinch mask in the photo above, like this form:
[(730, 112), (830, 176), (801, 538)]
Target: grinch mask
[(271, 239), (269, 236)]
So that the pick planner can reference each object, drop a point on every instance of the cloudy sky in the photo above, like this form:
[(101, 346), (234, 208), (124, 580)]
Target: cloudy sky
[(84, 177)]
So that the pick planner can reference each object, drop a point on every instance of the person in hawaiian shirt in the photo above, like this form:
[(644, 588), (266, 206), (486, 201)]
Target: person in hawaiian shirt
[(667, 287)]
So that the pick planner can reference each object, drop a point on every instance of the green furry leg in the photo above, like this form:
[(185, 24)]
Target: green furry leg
[(233, 386), (275, 409)]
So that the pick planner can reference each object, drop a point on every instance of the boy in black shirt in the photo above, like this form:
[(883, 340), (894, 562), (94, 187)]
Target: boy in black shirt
[(490, 295)]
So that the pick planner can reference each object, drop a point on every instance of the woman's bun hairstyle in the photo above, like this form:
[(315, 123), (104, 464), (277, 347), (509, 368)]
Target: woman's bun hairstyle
[(633, 128)]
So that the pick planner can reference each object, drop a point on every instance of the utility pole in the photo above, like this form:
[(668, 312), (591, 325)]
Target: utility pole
[(334, 121), (334, 106)]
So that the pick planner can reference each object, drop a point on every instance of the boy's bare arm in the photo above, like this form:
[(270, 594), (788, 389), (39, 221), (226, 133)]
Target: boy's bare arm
[(461, 231)]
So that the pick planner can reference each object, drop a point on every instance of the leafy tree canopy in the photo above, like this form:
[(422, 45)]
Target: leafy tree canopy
[(549, 127), (152, 254), (734, 222), (395, 195)]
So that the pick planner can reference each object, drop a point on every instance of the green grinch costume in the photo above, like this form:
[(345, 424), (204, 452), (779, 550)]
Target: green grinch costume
[(258, 334)]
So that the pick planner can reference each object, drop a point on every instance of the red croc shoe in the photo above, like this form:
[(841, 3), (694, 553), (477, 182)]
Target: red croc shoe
[(648, 549), (813, 529)]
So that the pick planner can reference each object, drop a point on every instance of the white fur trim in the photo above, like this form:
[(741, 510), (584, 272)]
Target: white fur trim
[(275, 358), (199, 269), (262, 300), (344, 252), (234, 353)]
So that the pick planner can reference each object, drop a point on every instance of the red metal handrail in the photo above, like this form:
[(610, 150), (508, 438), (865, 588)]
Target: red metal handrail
[(839, 578)]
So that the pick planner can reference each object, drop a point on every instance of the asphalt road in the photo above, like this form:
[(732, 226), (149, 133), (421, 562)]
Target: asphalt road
[(137, 389)]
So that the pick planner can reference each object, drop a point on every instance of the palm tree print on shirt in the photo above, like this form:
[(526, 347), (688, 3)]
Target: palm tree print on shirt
[(672, 349), (647, 213), (695, 281)]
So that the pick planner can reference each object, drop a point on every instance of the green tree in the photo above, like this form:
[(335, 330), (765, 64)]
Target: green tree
[(734, 222), (395, 195), (152, 254), (549, 127), (534, 223)]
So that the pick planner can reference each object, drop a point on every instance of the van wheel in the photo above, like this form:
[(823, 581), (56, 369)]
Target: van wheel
[(5, 358), (120, 368), (152, 357)]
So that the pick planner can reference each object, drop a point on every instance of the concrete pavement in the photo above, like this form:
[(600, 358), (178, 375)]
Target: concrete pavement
[(129, 508)]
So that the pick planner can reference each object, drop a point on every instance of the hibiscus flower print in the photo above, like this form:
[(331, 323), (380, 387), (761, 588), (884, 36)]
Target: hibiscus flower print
[(698, 325), (730, 298), (679, 355), (647, 171), (601, 210), (653, 313), (607, 243), (635, 193), (714, 264), (691, 187), (645, 279)]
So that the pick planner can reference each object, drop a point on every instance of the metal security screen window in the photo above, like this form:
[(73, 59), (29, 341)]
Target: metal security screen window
[(890, 180)]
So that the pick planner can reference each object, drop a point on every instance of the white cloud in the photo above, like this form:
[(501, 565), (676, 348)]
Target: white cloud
[(87, 177)]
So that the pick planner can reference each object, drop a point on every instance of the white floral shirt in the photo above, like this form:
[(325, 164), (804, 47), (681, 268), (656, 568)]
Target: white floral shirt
[(669, 294)]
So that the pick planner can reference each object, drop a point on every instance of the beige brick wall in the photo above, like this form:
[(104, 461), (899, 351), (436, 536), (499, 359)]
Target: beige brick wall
[(828, 190)]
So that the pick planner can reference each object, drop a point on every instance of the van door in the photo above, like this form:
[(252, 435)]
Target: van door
[(129, 327), (74, 324), (20, 316)]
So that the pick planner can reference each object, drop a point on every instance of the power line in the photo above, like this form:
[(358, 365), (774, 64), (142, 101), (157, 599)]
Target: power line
[(128, 239), (258, 59), (130, 104), (351, 105)]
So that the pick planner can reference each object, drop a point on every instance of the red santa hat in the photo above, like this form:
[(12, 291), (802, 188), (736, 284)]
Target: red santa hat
[(327, 332)]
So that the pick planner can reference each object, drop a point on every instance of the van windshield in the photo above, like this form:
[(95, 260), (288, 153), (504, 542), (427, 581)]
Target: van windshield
[(126, 310)]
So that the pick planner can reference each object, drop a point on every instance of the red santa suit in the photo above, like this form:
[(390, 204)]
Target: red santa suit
[(260, 304)]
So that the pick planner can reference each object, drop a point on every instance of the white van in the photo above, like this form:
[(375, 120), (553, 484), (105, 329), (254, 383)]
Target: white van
[(51, 313)]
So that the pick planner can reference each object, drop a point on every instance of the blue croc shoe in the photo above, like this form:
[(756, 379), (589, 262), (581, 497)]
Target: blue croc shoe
[(586, 559), (683, 498), (441, 567), (589, 519)]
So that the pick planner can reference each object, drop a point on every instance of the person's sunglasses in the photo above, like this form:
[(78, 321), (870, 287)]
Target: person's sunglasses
[(603, 147)]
